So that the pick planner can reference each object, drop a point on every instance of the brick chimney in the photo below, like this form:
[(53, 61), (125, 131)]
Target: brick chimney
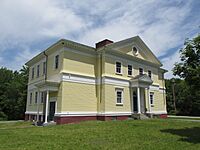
[(103, 43)]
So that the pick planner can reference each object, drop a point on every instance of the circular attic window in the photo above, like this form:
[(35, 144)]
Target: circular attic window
[(135, 51)]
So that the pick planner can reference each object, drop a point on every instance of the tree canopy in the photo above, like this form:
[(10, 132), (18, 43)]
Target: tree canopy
[(187, 88), (13, 93)]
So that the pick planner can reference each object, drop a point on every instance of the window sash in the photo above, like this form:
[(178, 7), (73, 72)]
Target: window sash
[(118, 67), (36, 97), (31, 97), (151, 98), (56, 61), (44, 68), (149, 73), (38, 70), (33, 70), (140, 71), (130, 70), (119, 96)]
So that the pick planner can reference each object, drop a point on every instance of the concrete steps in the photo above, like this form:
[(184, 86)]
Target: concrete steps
[(140, 116)]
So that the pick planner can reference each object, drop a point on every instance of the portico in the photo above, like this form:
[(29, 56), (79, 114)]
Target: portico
[(49, 103), (138, 85)]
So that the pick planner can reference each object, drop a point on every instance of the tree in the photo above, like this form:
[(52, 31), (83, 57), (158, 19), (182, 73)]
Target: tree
[(189, 70), (13, 89)]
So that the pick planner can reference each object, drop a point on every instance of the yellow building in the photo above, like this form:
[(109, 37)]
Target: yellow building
[(71, 82)]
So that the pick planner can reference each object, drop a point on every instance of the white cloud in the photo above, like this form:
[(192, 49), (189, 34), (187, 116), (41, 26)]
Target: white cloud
[(24, 24), (169, 64)]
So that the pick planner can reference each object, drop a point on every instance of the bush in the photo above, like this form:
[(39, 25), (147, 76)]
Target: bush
[(3, 116)]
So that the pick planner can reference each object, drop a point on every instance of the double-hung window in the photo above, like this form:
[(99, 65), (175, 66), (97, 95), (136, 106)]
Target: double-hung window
[(118, 67), (32, 74), (119, 96), (140, 71), (44, 68), (149, 73), (42, 96), (31, 97), (151, 96), (130, 72), (38, 70), (36, 97), (56, 61)]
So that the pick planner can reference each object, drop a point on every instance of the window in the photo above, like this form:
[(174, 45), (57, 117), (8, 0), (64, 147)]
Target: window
[(36, 96), (151, 98), (149, 73), (38, 70), (140, 71), (44, 68), (56, 61), (31, 96), (118, 67), (32, 76), (42, 97), (119, 96), (129, 70), (135, 51)]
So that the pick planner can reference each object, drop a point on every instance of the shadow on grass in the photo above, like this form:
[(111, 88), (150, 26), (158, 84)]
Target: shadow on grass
[(191, 135)]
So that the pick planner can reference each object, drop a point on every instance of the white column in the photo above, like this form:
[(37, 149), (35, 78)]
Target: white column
[(148, 95), (47, 106), (38, 103), (138, 98)]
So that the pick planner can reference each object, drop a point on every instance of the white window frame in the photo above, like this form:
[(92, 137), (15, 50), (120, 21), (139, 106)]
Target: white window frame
[(131, 70), (142, 71), (44, 68), (122, 95), (32, 73), (151, 101), (31, 98), (149, 74), (38, 71), (120, 67), (36, 97), (55, 61)]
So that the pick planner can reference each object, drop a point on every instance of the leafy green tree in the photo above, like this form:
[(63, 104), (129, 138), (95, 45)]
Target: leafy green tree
[(13, 89), (189, 70)]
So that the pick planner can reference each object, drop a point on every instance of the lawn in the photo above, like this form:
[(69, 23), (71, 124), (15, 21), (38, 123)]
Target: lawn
[(131, 134)]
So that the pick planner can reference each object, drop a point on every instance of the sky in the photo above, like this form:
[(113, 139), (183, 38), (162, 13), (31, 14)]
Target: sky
[(28, 27)]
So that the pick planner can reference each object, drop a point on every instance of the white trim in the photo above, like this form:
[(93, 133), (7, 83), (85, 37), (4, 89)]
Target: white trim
[(75, 114), (115, 113), (158, 112), (131, 70), (78, 78), (117, 89), (92, 114), (115, 81), (154, 87), (119, 73), (33, 112)]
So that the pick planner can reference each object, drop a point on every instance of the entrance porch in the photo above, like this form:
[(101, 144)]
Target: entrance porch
[(140, 94)]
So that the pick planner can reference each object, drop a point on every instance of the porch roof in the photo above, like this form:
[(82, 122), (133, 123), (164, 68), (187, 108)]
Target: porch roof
[(141, 81), (48, 86)]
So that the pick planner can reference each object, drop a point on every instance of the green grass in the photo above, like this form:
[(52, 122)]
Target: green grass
[(131, 134)]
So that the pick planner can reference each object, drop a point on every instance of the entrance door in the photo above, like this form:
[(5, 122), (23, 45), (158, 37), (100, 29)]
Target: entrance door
[(135, 107), (52, 110)]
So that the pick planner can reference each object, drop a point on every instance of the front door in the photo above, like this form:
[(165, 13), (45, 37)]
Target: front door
[(135, 107), (52, 110)]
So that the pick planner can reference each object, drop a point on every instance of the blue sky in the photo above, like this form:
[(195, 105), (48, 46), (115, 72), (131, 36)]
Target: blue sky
[(28, 27)]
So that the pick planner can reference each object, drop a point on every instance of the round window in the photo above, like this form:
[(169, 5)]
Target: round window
[(135, 51)]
